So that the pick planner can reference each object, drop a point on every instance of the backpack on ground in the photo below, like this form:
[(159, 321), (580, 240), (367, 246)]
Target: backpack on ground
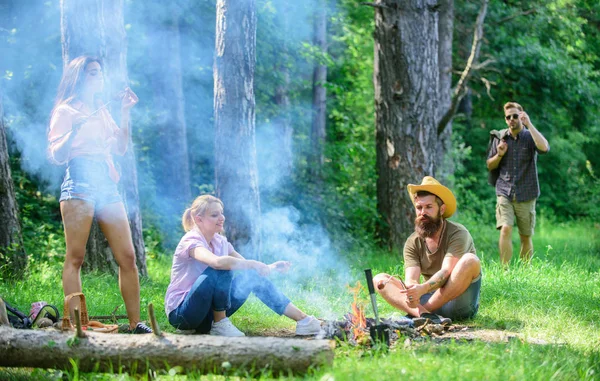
[(19, 319)]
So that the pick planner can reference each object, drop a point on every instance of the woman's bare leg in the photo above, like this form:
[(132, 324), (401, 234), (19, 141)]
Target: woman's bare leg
[(115, 226), (77, 216), (294, 312)]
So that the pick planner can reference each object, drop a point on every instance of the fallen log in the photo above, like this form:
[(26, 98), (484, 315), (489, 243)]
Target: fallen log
[(99, 352)]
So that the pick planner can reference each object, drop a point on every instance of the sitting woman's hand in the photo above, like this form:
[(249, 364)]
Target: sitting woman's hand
[(280, 266)]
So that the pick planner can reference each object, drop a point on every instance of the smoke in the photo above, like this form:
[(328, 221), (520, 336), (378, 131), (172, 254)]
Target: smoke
[(317, 266), (30, 68)]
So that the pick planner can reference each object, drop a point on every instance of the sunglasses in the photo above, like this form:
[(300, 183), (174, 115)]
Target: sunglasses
[(512, 116)]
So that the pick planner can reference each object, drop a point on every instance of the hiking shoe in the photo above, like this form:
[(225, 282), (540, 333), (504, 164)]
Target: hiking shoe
[(225, 327), (308, 326), (436, 319), (141, 328)]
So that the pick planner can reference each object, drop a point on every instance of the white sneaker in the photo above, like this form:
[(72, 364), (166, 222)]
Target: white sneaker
[(308, 326), (225, 327)]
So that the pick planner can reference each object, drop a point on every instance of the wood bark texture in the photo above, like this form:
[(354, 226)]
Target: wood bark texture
[(12, 252), (444, 167), (282, 121), (235, 143), (171, 169), (96, 27), (318, 130), (406, 78), (100, 352)]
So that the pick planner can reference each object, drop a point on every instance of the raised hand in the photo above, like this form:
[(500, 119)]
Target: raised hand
[(524, 118), (128, 100)]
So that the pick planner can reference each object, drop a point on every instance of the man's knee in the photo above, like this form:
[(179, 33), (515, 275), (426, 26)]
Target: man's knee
[(469, 262), (525, 238), (380, 278), (506, 231)]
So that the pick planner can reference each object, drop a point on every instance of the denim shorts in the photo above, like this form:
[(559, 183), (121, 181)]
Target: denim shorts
[(463, 307), (88, 180)]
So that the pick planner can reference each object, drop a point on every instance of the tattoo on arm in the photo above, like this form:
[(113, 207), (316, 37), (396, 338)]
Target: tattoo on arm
[(437, 280)]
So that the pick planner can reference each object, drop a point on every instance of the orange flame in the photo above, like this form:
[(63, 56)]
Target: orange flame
[(357, 317)]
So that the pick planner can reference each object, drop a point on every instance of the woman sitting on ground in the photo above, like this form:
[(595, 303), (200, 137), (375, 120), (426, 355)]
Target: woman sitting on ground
[(203, 292)]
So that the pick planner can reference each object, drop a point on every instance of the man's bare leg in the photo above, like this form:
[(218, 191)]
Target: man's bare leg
[(466, 270), (526, 248), (505, 244)]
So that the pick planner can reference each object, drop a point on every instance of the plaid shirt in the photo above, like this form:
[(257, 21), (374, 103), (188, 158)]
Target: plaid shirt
[(518, 178)]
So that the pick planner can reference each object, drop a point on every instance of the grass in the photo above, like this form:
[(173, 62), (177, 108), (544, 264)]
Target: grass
[(555, 300)]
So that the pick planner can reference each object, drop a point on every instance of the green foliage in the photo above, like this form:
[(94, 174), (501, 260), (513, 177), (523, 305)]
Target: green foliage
[(545, 61), (347, 196), (39, 214)]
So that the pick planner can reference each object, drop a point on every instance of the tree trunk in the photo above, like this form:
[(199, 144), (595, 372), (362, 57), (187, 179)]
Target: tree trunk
[(282, 121), (445, 168), (101, 352), (96, 27), (13, 259), (171, 167), (318, 132), (235, 146), (406, 79)]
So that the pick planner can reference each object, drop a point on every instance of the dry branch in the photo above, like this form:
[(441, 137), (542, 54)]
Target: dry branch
[(3, 313), (101, 352), (461, 87)]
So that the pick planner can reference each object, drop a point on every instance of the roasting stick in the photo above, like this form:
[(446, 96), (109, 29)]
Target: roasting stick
[(117, 97), (383, 284)]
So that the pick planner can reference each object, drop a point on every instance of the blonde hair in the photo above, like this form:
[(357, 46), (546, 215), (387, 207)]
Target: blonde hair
[(510, 105), (198, 208)]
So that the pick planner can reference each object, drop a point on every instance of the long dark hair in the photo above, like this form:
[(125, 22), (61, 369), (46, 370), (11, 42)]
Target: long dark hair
[(72, 80)]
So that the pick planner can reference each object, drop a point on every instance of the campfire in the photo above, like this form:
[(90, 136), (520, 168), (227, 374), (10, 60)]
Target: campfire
[(355, 327)]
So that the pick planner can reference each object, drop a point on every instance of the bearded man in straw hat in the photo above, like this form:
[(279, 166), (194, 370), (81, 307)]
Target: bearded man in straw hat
[(443, 252)]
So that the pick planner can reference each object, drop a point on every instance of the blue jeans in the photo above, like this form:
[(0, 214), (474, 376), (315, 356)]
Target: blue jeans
[(463, 307), (218, 290)]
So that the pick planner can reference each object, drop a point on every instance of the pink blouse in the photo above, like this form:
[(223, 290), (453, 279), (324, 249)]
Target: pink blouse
[(97, 137)]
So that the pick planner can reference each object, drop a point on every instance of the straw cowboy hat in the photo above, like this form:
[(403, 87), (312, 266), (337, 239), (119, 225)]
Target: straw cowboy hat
[(433, 186)]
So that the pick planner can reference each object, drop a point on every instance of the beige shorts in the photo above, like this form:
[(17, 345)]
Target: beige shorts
[(524, 212)]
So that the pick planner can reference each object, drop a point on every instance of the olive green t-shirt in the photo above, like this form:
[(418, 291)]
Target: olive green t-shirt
[(456, 241)]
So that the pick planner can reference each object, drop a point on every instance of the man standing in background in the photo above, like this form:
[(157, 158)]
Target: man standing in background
[(514, 156)]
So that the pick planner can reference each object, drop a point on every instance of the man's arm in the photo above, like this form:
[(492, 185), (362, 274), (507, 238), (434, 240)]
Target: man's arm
[(440, 278), (540, 141), (412, 275)]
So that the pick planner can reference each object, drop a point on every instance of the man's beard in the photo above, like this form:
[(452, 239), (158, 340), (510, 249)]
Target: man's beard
[(427, 226)]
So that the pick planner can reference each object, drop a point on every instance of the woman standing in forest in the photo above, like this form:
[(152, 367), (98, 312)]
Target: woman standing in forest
[(83, 135), (203, 292)]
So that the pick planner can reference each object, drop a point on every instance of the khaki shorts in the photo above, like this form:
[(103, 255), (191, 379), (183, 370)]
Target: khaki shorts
[(507, 210)]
